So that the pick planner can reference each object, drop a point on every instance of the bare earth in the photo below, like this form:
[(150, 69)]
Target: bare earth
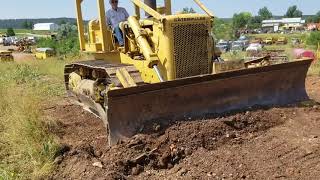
[(270, 143), (18, 56)]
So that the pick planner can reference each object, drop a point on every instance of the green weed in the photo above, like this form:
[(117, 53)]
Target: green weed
[(27, 149), (314, 38), (315, 69)]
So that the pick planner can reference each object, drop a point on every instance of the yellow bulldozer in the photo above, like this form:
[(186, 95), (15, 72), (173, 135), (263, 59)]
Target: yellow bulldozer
[(6, 56), (167, 69)]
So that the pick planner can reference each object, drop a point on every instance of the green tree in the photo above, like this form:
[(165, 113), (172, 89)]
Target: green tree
[(25, 25), (241, 20), (310, 19), (31, 25), (255, 22), (264, 13), (67, 30), (293, 11), (62, 22), (222, 29), (66, 41), (187, 10), (313, 38), (316, 18), (10, 32)]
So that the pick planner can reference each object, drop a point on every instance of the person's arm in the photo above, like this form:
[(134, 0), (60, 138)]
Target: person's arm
[(108, 19), (126, 13)]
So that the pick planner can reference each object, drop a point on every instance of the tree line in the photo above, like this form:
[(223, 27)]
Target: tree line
[(245, 20), (28, 23), (226, 28)]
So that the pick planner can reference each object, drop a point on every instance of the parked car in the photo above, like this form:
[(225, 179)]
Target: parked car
[(244, 40), (44, 53), (15, 40), (269, 40), (303, 53), (238, 46), (32, 39), (282, 40), (8, 41), (254, 47), (223, 45)]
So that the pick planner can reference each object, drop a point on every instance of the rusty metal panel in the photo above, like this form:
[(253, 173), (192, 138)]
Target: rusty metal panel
[(128, 109)]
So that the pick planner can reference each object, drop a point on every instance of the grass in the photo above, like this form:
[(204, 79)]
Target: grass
[(234, 55), (27, 149), (23, 32), (315, 68), (17, 30)]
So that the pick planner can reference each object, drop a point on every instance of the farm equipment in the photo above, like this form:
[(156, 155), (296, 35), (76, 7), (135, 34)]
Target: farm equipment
[(6, 56), (282, 40), (24, 44), (166, 70), (257, 40), (224, 46), (44, 53), (269, 40)]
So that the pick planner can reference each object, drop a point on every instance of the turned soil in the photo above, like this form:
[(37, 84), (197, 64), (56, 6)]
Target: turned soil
[(268, 143)]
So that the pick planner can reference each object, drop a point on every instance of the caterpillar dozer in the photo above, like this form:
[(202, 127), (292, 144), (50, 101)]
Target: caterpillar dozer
[(166, 69), (6, 56)]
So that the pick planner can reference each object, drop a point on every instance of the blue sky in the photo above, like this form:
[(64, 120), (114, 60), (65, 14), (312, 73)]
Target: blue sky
[(15, 9)]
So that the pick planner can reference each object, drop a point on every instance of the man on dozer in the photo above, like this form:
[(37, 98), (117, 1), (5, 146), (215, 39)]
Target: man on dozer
[(115, 15)]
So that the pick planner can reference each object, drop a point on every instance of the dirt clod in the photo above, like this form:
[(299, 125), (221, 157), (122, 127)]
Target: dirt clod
[(97, 164), (58, 160), (62, 150), (137, 170)]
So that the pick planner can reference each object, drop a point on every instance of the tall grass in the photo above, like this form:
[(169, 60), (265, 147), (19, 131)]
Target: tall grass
[(315, 68), (27, 149)]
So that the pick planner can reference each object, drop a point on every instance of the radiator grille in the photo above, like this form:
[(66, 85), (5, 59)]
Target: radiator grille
[(190, 50)]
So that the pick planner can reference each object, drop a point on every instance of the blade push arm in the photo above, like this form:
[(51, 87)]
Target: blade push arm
[(204, 8)]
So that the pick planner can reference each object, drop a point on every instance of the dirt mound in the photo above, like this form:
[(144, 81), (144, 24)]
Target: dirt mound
[(253, 144)]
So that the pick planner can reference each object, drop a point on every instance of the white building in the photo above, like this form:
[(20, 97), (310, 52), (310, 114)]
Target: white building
[(273, 24), (45, 27), (286, 23)]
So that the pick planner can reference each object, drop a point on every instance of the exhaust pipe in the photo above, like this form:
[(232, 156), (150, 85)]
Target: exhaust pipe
[(152, 4)]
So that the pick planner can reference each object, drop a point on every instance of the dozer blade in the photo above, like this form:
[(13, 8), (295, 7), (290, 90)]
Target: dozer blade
[(128, 109)]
